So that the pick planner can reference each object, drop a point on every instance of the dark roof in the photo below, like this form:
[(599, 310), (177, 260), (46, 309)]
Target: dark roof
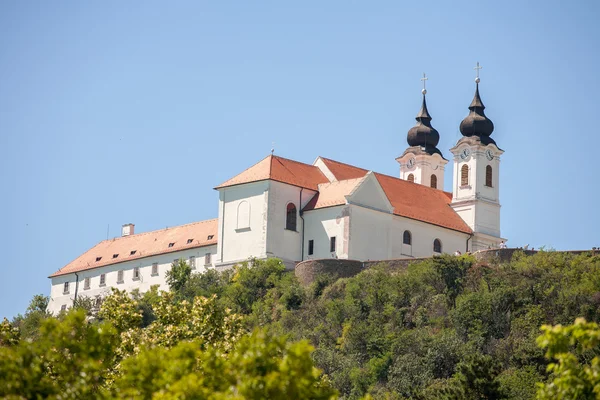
[(476, 123), (423, 135)]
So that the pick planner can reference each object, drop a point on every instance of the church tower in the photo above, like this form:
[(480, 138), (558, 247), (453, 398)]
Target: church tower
[(423, 162), (475, 194)]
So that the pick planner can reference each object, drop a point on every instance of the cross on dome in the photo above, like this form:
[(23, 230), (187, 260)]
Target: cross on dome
[(477, 68), (424, 79)]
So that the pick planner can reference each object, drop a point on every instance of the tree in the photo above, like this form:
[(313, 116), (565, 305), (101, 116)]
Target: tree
[(178, 275), (571, 379)]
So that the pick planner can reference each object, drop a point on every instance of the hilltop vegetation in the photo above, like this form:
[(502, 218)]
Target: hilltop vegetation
[(447, 328)]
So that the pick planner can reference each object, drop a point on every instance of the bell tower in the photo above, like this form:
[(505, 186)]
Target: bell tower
[(476, 186), (423, 162)]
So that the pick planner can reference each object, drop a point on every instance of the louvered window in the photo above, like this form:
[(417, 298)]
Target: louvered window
[(464, 175), (434, 181), (411, 178), (488, 176)]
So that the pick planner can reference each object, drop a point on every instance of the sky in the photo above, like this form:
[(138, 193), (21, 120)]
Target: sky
[(116, 112)]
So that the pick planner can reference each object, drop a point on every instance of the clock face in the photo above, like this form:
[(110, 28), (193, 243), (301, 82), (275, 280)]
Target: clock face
[(410, 163), (489, 154), (465, 153)]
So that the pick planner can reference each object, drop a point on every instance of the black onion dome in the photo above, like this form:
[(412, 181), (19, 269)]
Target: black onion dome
[(423, 134), (476, 123)]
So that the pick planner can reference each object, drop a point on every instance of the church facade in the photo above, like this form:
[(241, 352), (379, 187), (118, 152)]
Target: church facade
[(328, 209)]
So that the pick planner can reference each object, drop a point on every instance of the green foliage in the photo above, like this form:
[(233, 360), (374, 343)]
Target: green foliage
[(178, 275), (570, 377), (445, 328)]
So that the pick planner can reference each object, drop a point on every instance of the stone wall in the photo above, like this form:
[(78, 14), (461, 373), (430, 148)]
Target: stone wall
[(307, 271)]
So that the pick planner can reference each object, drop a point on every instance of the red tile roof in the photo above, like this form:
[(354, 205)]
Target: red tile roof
[(282, 170), (203, 233), (422, 203), (332, 194), (410, 200)]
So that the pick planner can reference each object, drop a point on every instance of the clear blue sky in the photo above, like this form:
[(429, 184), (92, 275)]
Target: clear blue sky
[(116, 112)]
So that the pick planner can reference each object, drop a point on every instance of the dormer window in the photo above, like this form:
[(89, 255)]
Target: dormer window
[(210, 237), (132, 252), (189, 241), (115, 255), (98, 259), (171, 244)]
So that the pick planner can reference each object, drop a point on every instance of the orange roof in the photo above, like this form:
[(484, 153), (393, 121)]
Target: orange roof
[(343, 171), (127, 248), (410, 200), (332, 194), (282, 170), (422, 203)]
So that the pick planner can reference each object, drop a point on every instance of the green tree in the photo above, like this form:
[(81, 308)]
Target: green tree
[(178, 275), (570, 378)]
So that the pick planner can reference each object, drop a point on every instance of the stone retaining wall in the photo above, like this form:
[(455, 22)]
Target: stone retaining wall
[(307, 271)]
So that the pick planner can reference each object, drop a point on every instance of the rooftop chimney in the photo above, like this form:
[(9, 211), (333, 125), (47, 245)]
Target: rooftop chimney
[(127, 230)]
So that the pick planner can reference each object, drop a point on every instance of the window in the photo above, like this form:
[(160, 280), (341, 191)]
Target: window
[(311, 247), (332, 244), (411, 178), (66, 288), (290, 218), (115, 255), (172, 244), (98, 259), (210, 237), (434, 181), (120, 276), (132, 252), (488, 176), (63, 307), (243, 215), (154, 269), (193, 262), (407, 238), (86, 283), (136, 273), (437, 246), (103, 280), (207, 259), (190, 241), (464, 175)]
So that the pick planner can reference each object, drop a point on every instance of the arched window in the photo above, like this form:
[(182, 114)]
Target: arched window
[(464, 175), (433, 181), (411, 178), (488, 176), (243, 215), (290, 220), (407, 238), (437, 246)]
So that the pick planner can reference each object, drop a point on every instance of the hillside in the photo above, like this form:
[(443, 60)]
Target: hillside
[(447, 327)]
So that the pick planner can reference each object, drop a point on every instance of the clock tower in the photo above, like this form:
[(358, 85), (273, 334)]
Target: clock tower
[(423, 162), (475, 194)]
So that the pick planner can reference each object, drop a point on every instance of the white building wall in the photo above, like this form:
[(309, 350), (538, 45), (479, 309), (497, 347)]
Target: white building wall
[(423, 168), (281, 242), (321, 225), (143, 284), (376, 235), (239, 241)]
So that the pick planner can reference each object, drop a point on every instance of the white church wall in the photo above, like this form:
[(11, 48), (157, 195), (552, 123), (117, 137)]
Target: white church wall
[(376, 235), (246, 236), (323, 224), (143, 284), (281, 242)]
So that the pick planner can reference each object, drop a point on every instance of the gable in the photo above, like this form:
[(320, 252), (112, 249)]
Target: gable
[(368, 193)]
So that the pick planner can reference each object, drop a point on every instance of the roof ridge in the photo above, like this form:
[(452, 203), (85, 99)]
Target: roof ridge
[(158, 230), (402, 180), (343, 163)]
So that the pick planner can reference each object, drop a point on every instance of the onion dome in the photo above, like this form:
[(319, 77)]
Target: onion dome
[(423, 135), (476, 123)]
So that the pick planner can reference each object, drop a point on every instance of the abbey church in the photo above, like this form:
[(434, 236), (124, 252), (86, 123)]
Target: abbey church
[(296, 211)]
